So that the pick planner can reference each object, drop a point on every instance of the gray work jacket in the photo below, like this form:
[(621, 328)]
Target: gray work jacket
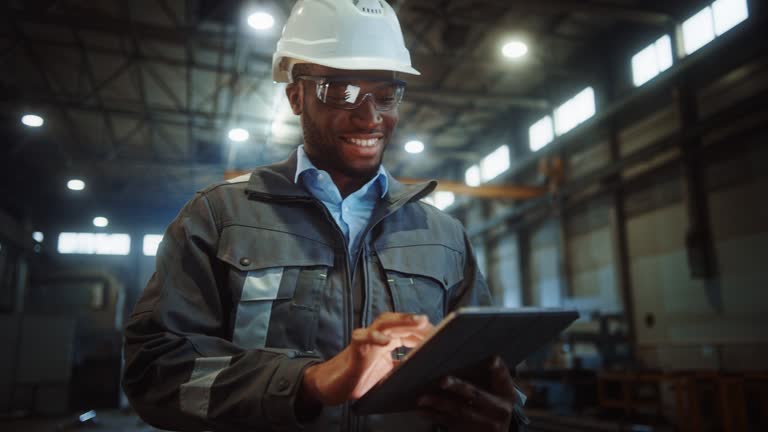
[(253, 284)]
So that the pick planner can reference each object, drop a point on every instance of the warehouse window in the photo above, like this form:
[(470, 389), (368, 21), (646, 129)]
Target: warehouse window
[(151, 243), (698, 30), (575, 111), (494, 164), (472, 176), (652, 60), (94, 243), (441, 199), (541, 133), (729, 13), (712, 21)]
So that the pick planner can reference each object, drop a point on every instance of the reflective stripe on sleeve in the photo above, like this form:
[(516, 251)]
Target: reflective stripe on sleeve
[(522, 396), (195, 395), (255, 308)]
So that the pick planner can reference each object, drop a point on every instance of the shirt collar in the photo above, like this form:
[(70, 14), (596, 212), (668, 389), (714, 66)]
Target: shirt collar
[(304, 164)]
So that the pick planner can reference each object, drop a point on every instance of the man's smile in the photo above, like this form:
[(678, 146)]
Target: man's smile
[(368, 143)]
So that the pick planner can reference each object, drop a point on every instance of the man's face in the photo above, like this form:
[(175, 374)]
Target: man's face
[(349, 143)]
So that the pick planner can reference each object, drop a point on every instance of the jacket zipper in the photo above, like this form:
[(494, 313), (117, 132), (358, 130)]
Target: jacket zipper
[(348, 301), (348, 421)]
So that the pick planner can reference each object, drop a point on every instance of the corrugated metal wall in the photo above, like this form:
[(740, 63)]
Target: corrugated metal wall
[(571, 257)]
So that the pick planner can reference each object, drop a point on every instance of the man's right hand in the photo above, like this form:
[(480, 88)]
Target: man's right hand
[(368, 357)]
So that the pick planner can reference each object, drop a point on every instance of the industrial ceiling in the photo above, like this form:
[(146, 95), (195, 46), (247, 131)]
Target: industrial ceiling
[(138, 95)]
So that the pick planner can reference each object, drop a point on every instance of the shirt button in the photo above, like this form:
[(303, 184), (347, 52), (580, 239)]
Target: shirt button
[(245, 261)]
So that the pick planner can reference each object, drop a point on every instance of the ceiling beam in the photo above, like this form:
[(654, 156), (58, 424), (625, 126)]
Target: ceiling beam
[(97, 94), (514, 192), (601, 9), (220, 41), (152, 113), (34, 58), (455, 96)]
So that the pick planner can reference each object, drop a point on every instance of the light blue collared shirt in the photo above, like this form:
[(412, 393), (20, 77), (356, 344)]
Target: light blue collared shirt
[(351, 213)]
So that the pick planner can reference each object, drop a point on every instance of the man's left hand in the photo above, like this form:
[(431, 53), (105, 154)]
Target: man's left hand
[(464, 406)]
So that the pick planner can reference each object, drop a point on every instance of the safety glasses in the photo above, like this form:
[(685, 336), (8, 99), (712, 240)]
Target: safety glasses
[(350, 92)]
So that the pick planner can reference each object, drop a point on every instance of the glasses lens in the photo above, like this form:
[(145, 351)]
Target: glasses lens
[(342, 93), (388, 96), (349, 95)]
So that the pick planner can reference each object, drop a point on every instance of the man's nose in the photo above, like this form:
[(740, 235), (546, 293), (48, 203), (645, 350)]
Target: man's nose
[(367, 114)]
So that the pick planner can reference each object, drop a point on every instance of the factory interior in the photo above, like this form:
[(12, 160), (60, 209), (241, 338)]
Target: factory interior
[(602, 155)]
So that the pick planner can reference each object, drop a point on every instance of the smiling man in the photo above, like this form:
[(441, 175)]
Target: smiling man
[(282, 296)]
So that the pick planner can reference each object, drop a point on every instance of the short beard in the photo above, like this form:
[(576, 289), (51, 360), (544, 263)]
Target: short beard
[(326, 160)]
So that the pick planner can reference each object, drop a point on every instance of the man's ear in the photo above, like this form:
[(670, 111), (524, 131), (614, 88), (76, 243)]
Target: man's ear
[(295, 94)]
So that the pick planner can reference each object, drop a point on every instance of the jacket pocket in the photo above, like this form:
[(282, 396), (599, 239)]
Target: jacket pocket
[(277, 280), (419, 277)]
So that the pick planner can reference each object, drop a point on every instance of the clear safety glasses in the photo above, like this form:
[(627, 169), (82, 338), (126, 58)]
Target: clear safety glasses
[(350, 92)]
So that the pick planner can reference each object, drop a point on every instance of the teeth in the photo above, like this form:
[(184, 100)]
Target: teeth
[(363, 143)]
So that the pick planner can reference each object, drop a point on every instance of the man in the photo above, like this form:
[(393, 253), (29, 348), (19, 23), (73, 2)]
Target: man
[(279, 298)]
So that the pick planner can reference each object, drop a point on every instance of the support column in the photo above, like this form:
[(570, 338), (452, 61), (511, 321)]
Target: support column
[(699, 242)]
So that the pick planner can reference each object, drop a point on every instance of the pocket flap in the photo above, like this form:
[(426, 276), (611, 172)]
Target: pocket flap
[(250, 248), (437, 262)]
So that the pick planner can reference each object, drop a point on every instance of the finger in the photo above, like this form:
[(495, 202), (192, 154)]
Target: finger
[(412, 341), (492, 405), (501, 381), (397, 319), (405, 332), (366, 336)]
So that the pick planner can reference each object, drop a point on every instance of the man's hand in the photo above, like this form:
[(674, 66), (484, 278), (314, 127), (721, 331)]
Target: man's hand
[(464, 406), (366, 360)]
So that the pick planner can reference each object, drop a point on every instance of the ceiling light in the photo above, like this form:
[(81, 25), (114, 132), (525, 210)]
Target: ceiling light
[(38, 236), (514, 49), (100, 221), (32, 120), (238, 134), (76, 185), (414, 146), (260, 21)]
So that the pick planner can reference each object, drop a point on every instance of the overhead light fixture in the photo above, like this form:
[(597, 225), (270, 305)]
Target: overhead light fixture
[(32, 120), (76, 185), (414, 146), (260, 21), (514, 49), (238, 135), (38, 236), (100, 221)]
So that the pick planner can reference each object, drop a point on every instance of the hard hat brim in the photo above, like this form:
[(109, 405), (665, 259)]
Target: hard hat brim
[(344, 63)]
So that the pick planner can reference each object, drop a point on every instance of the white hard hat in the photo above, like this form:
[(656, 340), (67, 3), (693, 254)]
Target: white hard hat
[(342, 34)]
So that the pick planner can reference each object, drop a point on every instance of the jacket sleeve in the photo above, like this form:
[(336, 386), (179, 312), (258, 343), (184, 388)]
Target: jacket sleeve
[(472, 290), (182, 371)]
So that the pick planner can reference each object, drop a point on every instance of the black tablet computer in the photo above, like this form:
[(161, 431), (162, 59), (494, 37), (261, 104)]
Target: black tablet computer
[(461, 342)]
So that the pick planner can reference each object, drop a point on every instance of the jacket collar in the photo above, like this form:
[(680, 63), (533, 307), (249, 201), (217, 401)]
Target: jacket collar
[(276, 181)]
